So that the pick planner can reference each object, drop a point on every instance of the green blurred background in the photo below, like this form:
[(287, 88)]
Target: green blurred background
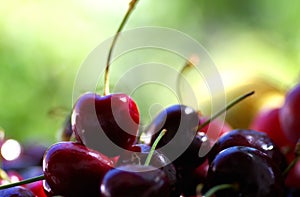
[(43, 43)]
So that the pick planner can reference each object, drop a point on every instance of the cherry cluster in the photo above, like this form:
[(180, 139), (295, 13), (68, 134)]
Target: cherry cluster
[(107, 159), (283, 126), (181, 152), (111, 161)]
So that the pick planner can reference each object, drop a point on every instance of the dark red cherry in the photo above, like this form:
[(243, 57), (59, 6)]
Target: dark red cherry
[(17, 191), (107, 124), (254, 173), (135, 180), (47, 190), (138, 156), (290, 114), (250, 138), (179, 143), (71, 169)]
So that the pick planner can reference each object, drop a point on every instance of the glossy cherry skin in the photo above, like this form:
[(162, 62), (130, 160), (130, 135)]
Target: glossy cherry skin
[(267, 121), (253, 172), (190, 178), (47, 190), (17, 191), (250, 138), (107, 124), (138, 156), (71, 169), (290, 114), (180, 143), (135, 180)]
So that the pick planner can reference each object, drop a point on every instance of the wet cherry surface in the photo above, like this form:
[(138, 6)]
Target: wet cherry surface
[(250, 138), (135, 180), (107, 124), (72, 169), (254, 173)]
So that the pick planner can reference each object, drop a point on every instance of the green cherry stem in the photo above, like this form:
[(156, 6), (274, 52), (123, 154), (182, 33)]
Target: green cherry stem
[(217, 188), (230, 105), (26, 181), (153, 147), (106, 76)]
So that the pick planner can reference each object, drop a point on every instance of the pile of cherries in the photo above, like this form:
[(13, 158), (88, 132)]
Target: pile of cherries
[(106, 159), (181, 153)]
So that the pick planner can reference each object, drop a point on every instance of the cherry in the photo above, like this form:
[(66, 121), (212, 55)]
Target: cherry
[(135, 180), (47, 190), (290, 114), (17, 191), (106, 124), (181, 124), (250, 138), (71, 169), (115, 116), (139, 154), (195, 154), (268, 122), (254, 173)]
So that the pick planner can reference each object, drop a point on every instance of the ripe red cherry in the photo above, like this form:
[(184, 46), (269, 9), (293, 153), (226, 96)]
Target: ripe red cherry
[(138, 156), (181, 123), (71, 169), (250, 138), (267, 121), (253, 172), (135, 180), (290, 114), (107, 124)]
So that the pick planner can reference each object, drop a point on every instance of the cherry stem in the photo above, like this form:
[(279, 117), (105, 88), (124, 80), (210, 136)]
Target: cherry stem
[(294, 162), (23, 182), (217, 188), (106, 76), (230, 105), (153, 147)]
